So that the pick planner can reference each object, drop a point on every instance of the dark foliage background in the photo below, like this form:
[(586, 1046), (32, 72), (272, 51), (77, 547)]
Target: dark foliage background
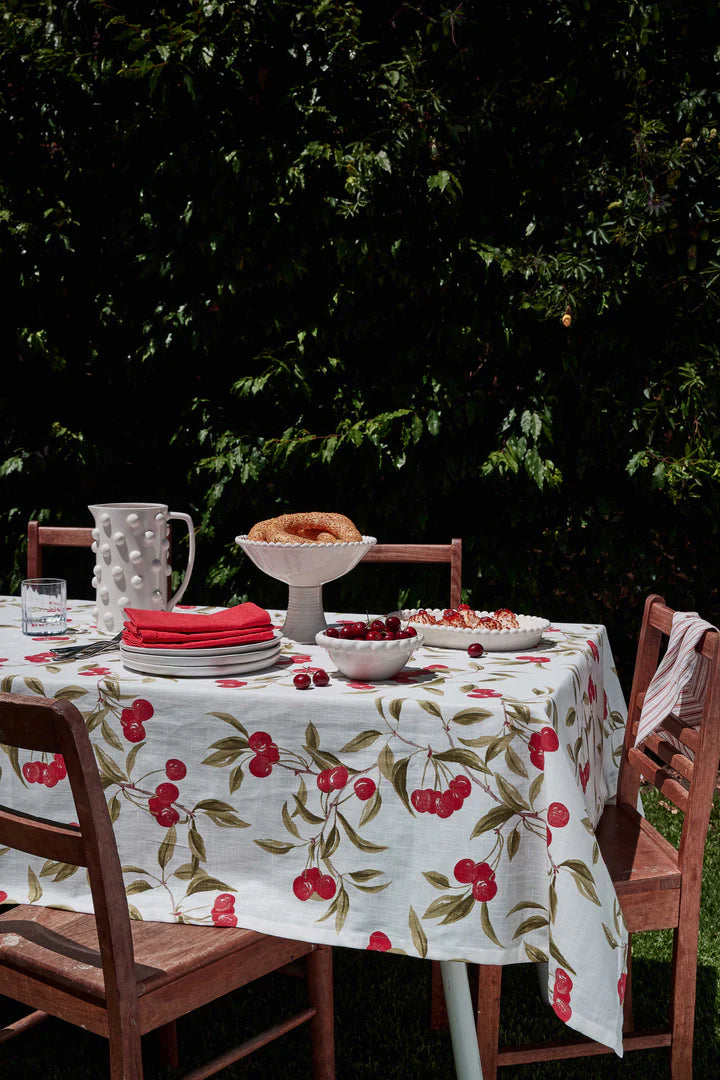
[(259, 257)]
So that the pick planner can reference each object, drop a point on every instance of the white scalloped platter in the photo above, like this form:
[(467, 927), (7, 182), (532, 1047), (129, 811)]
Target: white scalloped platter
[(527, 636)]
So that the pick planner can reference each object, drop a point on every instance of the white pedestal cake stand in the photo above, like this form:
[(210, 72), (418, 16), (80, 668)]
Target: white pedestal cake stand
[(305, 568)]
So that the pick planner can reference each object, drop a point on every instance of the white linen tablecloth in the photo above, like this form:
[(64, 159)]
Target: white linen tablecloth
[(234, 798)]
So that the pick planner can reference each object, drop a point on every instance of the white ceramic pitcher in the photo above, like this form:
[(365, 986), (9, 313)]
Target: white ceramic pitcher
[(132, 568)]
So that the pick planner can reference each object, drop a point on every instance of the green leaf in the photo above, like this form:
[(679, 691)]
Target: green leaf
[(35, 890), (167, 847), (487, 925), (275, 847), (492, 820), (419, 936), (470, 716), (365, 738)]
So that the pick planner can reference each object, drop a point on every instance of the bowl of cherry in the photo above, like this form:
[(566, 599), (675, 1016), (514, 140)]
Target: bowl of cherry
[(376, 649)]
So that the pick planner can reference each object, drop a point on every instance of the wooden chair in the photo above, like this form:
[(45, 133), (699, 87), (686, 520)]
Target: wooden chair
[(424, 553), (40, 536), (108, 975), (658, 887)]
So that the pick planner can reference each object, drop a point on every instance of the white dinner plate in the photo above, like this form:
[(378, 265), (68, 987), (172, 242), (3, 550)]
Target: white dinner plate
[(207, 670), (217, 651), (199, 661), (527, 636)]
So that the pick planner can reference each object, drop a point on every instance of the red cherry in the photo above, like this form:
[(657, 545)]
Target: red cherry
[(379, 942), (358, 627), (134, 732), (224, 901), (347, 633), (303, 887), (325, 887), (393, 624), (563, 982), (332, 632), (378, 625), (321, 677), (259, 740), (224, 918), (364, 788), (338, 777), (167, 793), (462, 785), (143, 709), (375, 635), (410, 631), (475, 650), (558, 815), (466, 871), (175, 769), (302, 680), (421, 800), (562, 1009), (260, 766), (324, 781), (484, 889), (168, 816), (548, 740)]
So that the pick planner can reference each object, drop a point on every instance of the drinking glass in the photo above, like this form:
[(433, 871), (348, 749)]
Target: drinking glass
[(44, 606)]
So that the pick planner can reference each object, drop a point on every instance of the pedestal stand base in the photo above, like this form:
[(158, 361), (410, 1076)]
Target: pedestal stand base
[(305, 615)]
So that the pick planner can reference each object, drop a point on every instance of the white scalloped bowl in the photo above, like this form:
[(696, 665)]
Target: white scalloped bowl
[(527, 636), (305, 565), (369, 660)]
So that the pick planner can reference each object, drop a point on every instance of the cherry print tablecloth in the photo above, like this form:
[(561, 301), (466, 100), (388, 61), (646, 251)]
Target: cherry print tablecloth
[(447, 813)]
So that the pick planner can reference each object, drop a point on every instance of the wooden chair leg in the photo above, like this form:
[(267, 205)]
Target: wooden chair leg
[(165, 1039), (682, 1005), (488, 1018), (125, 1054), (628, 1021), (438, 1010), (322, 1026)]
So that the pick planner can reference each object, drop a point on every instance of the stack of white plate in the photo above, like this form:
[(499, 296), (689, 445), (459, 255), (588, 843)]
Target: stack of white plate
[(215, 663)]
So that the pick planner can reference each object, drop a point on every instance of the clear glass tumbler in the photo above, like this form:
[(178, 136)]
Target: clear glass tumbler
[(44, 606)]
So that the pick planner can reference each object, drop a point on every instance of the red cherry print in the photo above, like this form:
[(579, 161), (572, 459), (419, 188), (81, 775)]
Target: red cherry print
[(134, 732), (475, 650), (433, 796), (562, 1009), (325, 887), (321, 677), (364, 788), (127, 716), (259, 740), (302, 680), (143, 709), (462, 785), (260, 766), (32, 772), (561, 995), (60, 762), (421, 800), (379, 942), (622, 983), (444, 805), (3, 896), (270, 753), (563, 982), (537, 754), (175, 769), (338, 777), (594, 650), (466, 871), (324, 780), (303, 887), (168, 816), (312, 873), (167, 793), (548, 837), (485, 871), (484, 692), (454, 798), (484, 889), (558, 815), (224, 902), (155, 805), (224, 918), (52, 774), (548, 740)]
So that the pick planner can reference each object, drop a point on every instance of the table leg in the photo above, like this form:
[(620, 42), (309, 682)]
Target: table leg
[(462, 1020)]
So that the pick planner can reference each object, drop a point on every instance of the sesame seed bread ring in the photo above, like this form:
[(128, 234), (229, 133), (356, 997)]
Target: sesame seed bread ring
[(314, 527)]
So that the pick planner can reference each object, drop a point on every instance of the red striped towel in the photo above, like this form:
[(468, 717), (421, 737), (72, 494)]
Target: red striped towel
[(242, 624), (678, 685)]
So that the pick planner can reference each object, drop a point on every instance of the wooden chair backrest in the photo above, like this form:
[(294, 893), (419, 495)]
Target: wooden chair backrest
[(699, 768), (46, 725), (424, 553), (40, 536)]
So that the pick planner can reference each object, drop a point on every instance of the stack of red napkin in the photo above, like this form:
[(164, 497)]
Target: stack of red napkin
[(239, 625)]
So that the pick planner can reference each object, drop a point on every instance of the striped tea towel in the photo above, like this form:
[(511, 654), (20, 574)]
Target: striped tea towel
[(679, 683)]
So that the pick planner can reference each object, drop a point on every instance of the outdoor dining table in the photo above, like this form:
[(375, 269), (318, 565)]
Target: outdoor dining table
[(447, 813)]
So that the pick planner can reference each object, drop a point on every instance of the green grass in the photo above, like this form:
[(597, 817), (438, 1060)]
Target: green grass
[(382, 1014)]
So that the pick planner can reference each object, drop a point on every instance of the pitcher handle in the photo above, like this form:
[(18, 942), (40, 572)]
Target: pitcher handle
[(191, 557)]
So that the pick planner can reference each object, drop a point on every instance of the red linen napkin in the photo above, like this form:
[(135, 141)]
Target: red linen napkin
[(239, 625)]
